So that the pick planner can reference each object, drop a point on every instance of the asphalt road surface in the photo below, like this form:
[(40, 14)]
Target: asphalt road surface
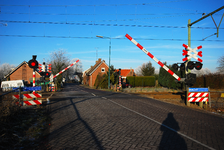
[(85, 118)]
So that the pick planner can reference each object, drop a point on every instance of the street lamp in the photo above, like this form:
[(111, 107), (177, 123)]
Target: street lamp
[(109, 56)]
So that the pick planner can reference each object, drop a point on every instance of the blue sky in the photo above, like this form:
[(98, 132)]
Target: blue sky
[(41, 27)]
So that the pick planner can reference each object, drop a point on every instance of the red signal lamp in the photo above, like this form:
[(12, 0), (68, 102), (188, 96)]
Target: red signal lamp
[(33, 63)]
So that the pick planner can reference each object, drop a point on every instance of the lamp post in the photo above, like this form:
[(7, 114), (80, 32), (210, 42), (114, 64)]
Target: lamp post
[(109, 56)]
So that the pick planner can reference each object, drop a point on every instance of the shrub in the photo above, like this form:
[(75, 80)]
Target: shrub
[(213, 80), (141, 81)]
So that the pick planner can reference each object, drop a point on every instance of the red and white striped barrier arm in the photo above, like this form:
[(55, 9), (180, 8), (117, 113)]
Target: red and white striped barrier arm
[(64, 69), (153, 57), (198, 94), (26, 96)]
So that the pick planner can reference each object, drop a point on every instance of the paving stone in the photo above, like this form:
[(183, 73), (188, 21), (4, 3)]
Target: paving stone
[(92, 122)]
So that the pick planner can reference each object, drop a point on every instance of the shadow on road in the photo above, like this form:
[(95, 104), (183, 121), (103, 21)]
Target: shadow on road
[(97, 142), (171, 139)]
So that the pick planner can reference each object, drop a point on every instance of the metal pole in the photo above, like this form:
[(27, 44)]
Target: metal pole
[(186, 69), (109, 64), (206, 16), (34, 76)]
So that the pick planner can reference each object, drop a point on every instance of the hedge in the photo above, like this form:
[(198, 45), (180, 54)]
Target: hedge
[(213, 80), (141, 81)]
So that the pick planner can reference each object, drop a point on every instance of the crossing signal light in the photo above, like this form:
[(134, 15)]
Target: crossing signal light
[(47, 74), (197, 65), (190, 65), (175, 67), (182, 67), (33, 63), (191, 79)]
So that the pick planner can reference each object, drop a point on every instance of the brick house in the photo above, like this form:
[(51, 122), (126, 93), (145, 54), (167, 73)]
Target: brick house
[(89, 76), (22, 72), (125, 73)]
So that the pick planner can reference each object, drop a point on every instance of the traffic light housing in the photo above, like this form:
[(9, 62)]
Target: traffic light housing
[(182, 67), (45, 74), (190, 65), (197, 65), (191, 79), (175, 67), (33, 63)]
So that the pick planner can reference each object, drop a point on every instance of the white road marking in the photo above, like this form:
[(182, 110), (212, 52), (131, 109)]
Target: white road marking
[(162, 125), (93, 94)]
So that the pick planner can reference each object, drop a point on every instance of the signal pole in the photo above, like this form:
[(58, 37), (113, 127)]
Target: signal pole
[(189, 43)]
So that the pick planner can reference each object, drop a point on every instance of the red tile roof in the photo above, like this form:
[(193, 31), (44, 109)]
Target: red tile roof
[(124, 72)]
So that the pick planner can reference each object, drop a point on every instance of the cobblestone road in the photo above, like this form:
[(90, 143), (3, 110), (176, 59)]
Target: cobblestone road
[(92, 119)]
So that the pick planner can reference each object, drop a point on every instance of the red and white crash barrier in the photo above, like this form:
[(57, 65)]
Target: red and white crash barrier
[(198, 97), (33, 102), (27, 96), (153, 57), (29, 103), (64, 70), (203, 94)]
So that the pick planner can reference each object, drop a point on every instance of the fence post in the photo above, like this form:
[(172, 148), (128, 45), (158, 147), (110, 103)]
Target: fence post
[(19, 95), (209, 98)]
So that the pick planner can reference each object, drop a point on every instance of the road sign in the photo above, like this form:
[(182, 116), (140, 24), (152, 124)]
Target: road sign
[(190, 50), (198, 89), (37, 88), (153, 57)]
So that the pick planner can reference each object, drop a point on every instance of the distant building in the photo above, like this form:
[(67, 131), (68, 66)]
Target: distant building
[(89, 76), (22, 72), (125, 73)]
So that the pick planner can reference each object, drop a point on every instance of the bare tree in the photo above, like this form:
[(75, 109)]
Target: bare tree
[(146, 69), (221, 64), (59, 60), (201, 72), (5, 69)]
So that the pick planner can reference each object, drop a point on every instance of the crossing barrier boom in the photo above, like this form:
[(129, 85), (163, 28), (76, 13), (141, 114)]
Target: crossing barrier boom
[(153, 57)]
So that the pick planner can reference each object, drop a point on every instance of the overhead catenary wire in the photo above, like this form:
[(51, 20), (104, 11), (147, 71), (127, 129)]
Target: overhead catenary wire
[(114, 38), (93, 5), (97, 24), (78, 14)]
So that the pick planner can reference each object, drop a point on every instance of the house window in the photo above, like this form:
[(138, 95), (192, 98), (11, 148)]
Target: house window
[(102, 69)]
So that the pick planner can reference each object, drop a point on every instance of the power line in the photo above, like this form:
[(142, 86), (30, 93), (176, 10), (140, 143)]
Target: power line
[(44, 36), (63, 14), (93, 5), (97, 24)]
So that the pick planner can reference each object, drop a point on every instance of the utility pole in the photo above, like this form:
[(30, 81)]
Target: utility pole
[(189, 43)]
